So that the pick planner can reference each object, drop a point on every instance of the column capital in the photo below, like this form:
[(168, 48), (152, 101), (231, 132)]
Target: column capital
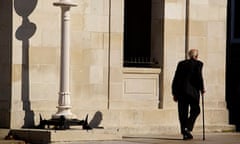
[(63, 3)]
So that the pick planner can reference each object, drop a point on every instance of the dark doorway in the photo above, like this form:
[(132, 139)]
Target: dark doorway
[(233, 63), (5, 62)]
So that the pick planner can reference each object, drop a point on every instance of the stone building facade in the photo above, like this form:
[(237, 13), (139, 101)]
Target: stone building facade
[(134, 99)]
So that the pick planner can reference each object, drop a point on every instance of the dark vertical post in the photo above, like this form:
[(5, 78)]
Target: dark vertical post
[(187, 29), (203, 118)]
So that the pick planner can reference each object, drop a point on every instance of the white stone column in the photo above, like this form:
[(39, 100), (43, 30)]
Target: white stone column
[(64, 103)]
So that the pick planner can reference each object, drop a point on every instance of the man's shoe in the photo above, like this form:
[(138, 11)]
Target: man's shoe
[(187, 135)]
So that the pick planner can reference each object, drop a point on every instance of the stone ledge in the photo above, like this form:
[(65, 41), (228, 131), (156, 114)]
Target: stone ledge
[(141, 70)]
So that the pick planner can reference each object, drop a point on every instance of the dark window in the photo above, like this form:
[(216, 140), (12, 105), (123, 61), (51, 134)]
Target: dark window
[(137, 34), (236, 19)]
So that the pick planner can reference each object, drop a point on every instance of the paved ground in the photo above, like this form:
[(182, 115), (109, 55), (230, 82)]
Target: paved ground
[(211, 138)]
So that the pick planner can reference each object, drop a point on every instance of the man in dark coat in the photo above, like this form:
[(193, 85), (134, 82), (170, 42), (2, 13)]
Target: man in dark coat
[(186, 88)]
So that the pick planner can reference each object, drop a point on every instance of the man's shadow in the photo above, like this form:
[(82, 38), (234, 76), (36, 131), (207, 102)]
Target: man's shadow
[(24, 32)]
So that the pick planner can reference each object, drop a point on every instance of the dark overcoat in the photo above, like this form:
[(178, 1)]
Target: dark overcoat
[(188, 79)]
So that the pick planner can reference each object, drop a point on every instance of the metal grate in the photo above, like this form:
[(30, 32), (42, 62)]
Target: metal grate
[(140, 62)]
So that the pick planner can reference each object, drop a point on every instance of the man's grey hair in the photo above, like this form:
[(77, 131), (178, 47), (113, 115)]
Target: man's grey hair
[(193, 53)]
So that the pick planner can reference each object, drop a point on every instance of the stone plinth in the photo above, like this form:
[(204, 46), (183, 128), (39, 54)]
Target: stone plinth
[(38, 136)]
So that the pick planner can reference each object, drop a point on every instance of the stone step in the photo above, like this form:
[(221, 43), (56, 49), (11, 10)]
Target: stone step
[(3, 133), (43, 136), (172, 129), (12, 142), (38, 136)]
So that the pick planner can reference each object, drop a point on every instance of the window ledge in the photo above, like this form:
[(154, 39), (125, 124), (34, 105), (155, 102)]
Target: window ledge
[(142, 70)]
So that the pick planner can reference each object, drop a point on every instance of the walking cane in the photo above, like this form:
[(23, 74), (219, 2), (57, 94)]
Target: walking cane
[(203, 119)]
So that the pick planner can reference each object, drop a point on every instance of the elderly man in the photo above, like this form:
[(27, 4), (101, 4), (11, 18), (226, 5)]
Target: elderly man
[(186, 88)]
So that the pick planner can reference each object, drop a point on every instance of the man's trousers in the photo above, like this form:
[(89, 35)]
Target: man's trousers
[(188, 111)]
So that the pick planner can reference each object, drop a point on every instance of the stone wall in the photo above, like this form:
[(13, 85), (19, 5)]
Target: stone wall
[(133, 100)]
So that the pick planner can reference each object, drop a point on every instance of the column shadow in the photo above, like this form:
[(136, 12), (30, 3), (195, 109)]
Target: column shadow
[(24, 32)]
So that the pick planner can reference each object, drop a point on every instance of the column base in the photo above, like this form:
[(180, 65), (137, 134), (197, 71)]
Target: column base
[(64, 111)]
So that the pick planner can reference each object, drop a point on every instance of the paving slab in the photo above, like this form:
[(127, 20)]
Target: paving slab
[(211, 138)]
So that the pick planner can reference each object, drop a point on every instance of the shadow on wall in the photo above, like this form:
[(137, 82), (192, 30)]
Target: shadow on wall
[(5, 62), (24, 32), (96, 120)]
